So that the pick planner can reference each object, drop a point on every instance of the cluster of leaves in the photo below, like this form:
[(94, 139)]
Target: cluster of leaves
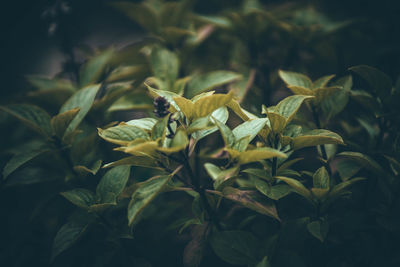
[(214, 176)]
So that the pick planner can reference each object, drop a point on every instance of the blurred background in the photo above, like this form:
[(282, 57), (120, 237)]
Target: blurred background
[(28, 47)]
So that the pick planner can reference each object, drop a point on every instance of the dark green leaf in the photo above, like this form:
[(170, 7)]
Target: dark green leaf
[(208, 81), (80, 197), (33, 116), (92, 70), (146, 192), (319, 229), (82, 99), (235, 247), (321, 178), (68, 234), (113, 183), (20, 159)]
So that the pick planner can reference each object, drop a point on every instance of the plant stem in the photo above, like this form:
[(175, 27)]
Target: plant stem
[(202, 192), (318, 124), (274, 159)]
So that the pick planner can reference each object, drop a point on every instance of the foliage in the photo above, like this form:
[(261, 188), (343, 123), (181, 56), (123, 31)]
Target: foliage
[(216, 175)]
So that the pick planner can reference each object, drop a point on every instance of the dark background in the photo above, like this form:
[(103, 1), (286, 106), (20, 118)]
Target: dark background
[(27, 48)]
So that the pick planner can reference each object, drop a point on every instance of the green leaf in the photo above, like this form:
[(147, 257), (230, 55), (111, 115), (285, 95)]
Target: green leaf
[(334, 103), (83, 170), (379, 81), (122, 134), (47, 84), (315, 138), (323, 93), (80, 197), (321, 178), (93, 69), (33, 116), (264, 263), (295, 79), (251, 200), (65, 238), (319, 229), (288, 163), (226, 133), (347, 168), (61, 121), (142, 14), (297, 90), (220, 176), (289, 106), (277, 122), (323, 81), (159, 129), (178, 143), (297, 186), (260, 173), (249, 128), (199, 124), (364, 160), (339, 189), (143, 123), (146, 192), (242, 144), (256, 154), (186, 106), (205, 82), (142, 161), (113, 183), (82, 99), (165, 65), (275, 192), (208, 104), (113, 92), (241, 112), (220, 114), (20, 159), (235, 247)]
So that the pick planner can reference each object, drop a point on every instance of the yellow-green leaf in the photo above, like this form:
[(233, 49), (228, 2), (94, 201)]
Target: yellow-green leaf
[(206, 105), (277, 122), (186, 106), (122, 134), (295, 79), (256, 154), (315, 138), (297, 186), (142, 161), (290, 105), (323, 81), (297, 90), (249, 128), (226, 133)]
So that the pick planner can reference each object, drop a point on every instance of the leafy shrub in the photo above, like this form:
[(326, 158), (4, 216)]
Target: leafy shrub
[(169, 151)]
